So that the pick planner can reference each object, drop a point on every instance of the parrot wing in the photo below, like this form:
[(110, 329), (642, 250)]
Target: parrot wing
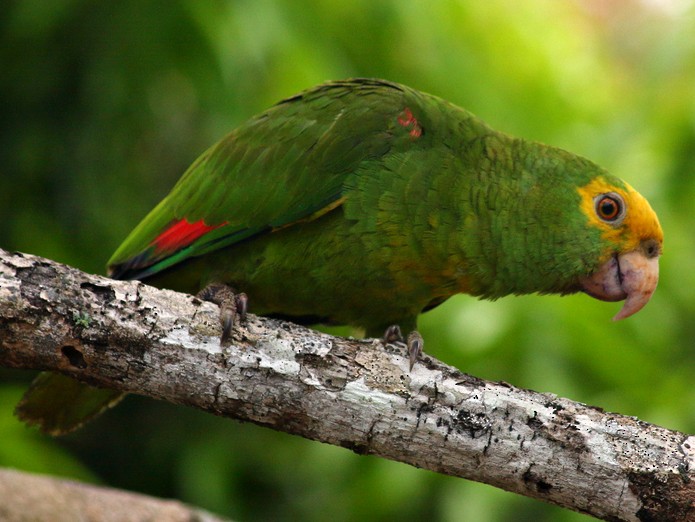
[(286, 165)]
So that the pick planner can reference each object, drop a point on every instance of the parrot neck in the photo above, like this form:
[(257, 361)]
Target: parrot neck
[(514, 225)]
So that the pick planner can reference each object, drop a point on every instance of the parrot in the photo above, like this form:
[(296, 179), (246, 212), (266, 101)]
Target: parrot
[(365, 202)]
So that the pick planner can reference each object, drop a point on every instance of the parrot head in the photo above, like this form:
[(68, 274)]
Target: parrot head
[(632, 242)]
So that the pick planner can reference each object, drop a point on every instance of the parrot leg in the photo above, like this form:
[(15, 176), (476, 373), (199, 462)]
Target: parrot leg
[(231, 304), (414, 343)]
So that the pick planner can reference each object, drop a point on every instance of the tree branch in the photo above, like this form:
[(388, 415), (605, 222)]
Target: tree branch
[(355, 394), (35, 497)]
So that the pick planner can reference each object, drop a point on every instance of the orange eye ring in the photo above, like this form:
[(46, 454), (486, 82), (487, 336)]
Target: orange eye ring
[(610, 207)]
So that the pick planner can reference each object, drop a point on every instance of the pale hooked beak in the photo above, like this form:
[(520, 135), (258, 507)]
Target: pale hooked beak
[(632, 276)]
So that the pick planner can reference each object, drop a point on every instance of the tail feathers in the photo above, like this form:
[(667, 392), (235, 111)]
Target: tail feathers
[(57, 404), (138, 267)]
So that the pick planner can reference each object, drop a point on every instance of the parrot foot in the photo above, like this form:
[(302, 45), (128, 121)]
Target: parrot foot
[(231, 304), (414, 343)]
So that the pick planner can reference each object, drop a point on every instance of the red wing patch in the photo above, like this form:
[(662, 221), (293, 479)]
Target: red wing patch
[(181, 234), (407, 120)]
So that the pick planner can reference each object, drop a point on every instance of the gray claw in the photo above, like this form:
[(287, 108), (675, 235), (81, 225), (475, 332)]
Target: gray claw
[(415, 344), (393, 334), (242, 305), (227, 319)]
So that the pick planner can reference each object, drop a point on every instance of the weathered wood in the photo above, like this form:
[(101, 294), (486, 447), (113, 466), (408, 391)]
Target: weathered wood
[(352, 393)]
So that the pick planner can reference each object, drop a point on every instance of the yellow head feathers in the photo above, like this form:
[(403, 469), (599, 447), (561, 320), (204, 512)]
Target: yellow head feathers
[(623, 215), (629, 228)]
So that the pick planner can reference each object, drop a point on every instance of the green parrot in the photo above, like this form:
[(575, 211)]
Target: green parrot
[(364, 202)]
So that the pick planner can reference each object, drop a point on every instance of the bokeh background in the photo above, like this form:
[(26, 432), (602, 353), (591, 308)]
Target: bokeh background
[(104, 104)]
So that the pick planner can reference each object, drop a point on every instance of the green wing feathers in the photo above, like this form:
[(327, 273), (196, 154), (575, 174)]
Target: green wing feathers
[(285, 165)]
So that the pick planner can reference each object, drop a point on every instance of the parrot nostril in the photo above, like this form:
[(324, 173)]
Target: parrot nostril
[(651, 248)]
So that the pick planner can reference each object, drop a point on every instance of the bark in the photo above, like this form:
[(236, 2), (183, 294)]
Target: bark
[(352, 393), (35, 498)]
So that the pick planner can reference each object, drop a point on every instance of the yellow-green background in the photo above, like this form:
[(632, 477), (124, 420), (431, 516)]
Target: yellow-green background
[(104, 104)]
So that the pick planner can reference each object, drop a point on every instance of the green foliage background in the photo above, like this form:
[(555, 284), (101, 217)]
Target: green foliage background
[(104, 104)]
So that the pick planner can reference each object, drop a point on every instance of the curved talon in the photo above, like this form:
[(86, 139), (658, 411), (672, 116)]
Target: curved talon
[(242, 305), (227, 320), (415, 344), (393, 334)]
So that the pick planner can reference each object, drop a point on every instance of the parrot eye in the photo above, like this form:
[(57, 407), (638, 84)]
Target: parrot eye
[(610, 207)]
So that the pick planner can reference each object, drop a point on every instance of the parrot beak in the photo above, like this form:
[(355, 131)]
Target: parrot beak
[(632, 276)]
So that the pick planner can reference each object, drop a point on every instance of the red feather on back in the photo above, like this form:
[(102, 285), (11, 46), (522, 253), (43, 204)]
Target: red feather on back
[(181, 234)]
